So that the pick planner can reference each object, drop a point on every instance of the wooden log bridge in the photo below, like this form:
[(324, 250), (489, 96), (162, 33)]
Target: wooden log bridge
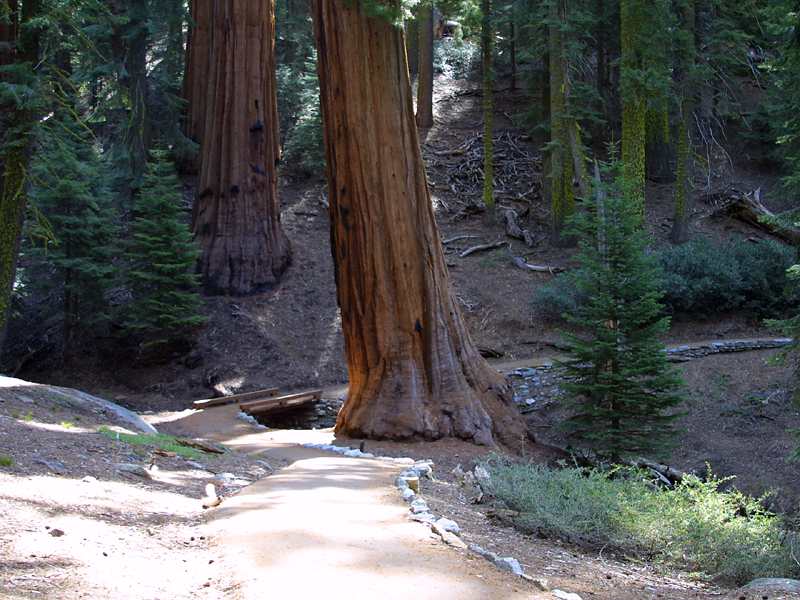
[(280, 403), (249, 396)]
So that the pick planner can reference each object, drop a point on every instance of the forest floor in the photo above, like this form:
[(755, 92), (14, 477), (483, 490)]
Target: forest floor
[(300, 522)]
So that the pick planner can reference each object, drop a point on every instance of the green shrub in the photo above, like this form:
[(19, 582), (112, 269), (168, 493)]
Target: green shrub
[(456, 59), (560, 296), (6, 461), (702, 278), (697, 526)]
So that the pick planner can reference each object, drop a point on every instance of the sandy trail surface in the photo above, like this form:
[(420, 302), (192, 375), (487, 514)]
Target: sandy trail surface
[(327, 526)]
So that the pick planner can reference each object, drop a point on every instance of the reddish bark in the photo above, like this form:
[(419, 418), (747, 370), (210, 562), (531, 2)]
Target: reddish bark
[(237, 212), (414, 371)]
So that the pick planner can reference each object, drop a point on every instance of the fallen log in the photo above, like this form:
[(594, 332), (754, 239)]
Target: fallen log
[(457, 238), (281, 403), (526, 266), (515, 230), (482, 248), (209, 402), (749, 209), (207, 447)]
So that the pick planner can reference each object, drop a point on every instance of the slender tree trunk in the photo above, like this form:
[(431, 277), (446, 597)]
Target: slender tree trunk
[(634, 106), (137, 134), (412, 45), (414, 371), (562, 197), (16, 127), (487, 49), (198, 62), (237, 212), (425, 80), (512, 45), (687, 56)]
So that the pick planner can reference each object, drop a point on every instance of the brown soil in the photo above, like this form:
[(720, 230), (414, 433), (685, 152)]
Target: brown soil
[(74, 526), (739, 420)]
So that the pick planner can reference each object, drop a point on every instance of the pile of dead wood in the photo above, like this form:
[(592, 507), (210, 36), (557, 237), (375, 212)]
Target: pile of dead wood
[(748, 208)]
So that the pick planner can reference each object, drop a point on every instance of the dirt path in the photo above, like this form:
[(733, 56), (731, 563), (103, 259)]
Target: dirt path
[(333, 527)]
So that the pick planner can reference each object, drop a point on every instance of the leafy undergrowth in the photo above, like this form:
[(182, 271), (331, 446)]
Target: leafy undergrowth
[(161, 441), (698, 526)]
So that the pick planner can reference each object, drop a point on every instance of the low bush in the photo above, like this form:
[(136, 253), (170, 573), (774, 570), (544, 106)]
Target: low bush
[(455, 58), (698, 526), (702, 278)]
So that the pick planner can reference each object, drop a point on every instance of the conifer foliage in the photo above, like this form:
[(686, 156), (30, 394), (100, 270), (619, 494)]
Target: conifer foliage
[(161, 260), (619, 382), (68, 177)]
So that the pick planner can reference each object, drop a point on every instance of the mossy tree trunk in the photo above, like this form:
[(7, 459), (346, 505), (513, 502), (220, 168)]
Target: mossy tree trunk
[(634, 105), (237, 213), (425, 80), (414, 371), (684, 161), (16, 129), (562, 197), (487, 62)]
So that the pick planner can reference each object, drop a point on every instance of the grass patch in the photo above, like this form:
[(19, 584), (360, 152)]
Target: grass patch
[(67, 424), (157, 440), (6, 461), (696, 526)]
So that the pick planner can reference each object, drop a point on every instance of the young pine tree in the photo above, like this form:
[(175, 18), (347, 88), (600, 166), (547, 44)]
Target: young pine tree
[(161, 259), (620, 385), (68, 189)]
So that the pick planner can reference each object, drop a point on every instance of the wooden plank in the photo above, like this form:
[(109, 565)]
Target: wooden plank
[(236, 398), (281, 402)]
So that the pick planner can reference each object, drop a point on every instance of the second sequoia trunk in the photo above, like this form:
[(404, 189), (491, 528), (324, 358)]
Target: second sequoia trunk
[(414, 371), (237, 213)]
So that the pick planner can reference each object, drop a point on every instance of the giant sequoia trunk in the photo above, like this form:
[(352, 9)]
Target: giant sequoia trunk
[(237, 213), (414, 371)]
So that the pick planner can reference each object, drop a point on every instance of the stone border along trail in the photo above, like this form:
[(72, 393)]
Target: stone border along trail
[(331, 524)]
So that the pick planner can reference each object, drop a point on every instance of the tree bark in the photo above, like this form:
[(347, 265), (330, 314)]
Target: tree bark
[(412, 45), (414, 371), (562, 197), (425, 80), (634, 106), (198, 61), (16, 126), (487, 52), (237, 212)]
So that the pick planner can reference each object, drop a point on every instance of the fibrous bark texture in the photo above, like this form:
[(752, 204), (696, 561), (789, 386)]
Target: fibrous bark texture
[(237, 212), (414, 371)]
